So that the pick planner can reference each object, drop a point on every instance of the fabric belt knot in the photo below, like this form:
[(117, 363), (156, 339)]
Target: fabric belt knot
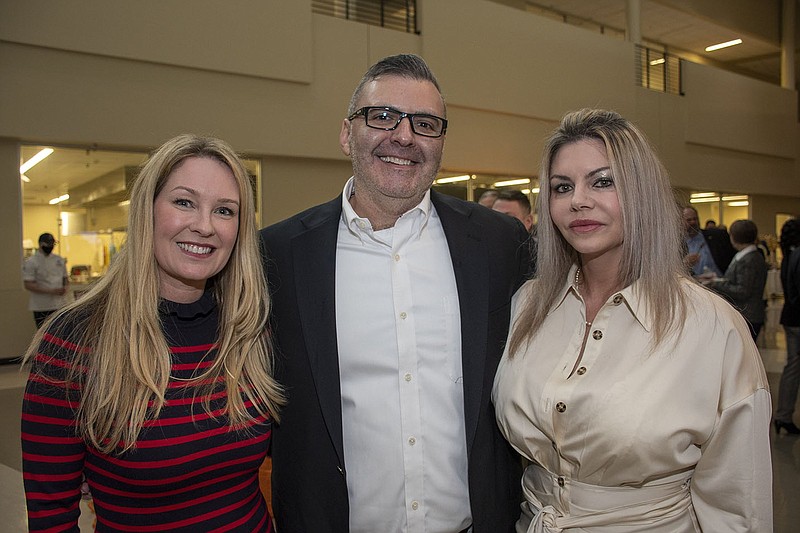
[(587, 506)]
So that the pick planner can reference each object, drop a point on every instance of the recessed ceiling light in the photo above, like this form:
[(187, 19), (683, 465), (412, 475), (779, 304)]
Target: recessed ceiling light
[(507, 183), (452, 179), (34, 160), (723, 45)]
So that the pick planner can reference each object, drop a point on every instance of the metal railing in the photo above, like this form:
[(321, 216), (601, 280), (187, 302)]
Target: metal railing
[(398, 15), (658, 70)]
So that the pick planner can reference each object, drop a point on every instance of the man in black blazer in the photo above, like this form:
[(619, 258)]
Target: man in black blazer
[(709, 247), (390, 308)]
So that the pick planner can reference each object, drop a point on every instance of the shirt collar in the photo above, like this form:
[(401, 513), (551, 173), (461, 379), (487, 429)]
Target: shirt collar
[(361, 227), (743, 252), (637, 306)]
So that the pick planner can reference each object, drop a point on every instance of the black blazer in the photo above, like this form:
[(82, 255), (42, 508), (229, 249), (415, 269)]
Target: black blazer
[(309, 491), (719, 244)]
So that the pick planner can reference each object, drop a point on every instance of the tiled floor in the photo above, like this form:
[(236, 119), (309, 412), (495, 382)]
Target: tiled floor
[(785, 450)]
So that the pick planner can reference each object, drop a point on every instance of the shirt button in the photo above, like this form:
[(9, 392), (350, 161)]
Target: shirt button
[(361, 224), (561, 407), (560, 481), (597, 334), (403, 315), (397, 257), (412, 441), (617, 299), (407, 377), (415, 505), (581, 371)]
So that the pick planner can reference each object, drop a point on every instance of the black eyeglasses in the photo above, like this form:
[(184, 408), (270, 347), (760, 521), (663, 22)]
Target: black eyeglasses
[(388, 118)]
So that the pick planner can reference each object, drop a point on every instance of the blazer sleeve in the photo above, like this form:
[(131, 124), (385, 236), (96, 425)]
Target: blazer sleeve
[(744, 280)]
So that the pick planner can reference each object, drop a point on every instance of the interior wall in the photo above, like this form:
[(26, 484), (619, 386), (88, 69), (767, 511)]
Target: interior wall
[(731, 111), (290, 185), (493, 57), (40, 219), (766, 207), (200, 34)]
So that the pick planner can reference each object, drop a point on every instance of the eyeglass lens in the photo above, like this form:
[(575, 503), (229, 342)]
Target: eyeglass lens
[(389, 119)]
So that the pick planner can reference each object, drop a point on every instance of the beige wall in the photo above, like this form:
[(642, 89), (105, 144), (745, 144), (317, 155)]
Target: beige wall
[(274, 80), (201, 34), (40, 219), (292, 184)]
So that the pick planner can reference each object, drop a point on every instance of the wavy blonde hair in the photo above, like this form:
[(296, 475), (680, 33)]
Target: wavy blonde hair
[(651, 220), (127, 361)]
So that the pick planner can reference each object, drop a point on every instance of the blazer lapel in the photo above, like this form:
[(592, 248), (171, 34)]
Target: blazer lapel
[(470, 264), (314, 258)]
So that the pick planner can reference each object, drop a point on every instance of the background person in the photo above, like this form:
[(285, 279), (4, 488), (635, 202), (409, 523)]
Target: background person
[(744, 280), (517, 205), (638, 396), (790, 320), (155, 386), (389, 305), (488, 197), (45, 276), (707, 251)]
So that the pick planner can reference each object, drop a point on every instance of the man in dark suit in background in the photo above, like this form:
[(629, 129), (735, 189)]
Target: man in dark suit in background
[(390, 309)]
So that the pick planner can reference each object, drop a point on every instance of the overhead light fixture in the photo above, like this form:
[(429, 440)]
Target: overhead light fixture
[(58, 200), (723, 45), (508, 183), (30, 163), (704, 200), (742, 203), (655, 62), (703, 194), (452, 179), (735, 198), (24, 178)]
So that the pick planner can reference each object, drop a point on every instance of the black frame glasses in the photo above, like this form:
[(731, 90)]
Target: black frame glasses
[(421, 123)]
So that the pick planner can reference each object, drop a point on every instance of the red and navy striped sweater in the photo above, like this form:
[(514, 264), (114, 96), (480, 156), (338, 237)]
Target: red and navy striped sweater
[(189, 472)]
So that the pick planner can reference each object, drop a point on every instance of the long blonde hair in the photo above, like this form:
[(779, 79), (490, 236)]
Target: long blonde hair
[(651, 248), (126, 361)]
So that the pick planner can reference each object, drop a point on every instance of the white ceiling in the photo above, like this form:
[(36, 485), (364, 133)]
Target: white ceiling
[(682, 33), (69, 167)]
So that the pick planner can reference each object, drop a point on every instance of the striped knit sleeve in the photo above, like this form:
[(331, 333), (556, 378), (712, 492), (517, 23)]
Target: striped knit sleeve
[(52, 454)]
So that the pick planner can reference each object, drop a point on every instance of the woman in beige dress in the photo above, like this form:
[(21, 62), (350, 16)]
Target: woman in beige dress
[(637, 395)]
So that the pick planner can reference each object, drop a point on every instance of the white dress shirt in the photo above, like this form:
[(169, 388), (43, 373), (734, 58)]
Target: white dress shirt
[(628, 421), (399, 341)]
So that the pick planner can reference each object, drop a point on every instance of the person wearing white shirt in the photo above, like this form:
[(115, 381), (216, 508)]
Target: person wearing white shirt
[(390, 307), (45, 277), (637, 395)]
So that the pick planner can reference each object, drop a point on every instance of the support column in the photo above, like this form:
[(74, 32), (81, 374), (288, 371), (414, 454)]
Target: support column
[(16, 322), (788, 44), (633, 13)]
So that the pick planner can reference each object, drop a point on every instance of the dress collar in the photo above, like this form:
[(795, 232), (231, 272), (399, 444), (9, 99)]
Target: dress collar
[(629, 296)]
